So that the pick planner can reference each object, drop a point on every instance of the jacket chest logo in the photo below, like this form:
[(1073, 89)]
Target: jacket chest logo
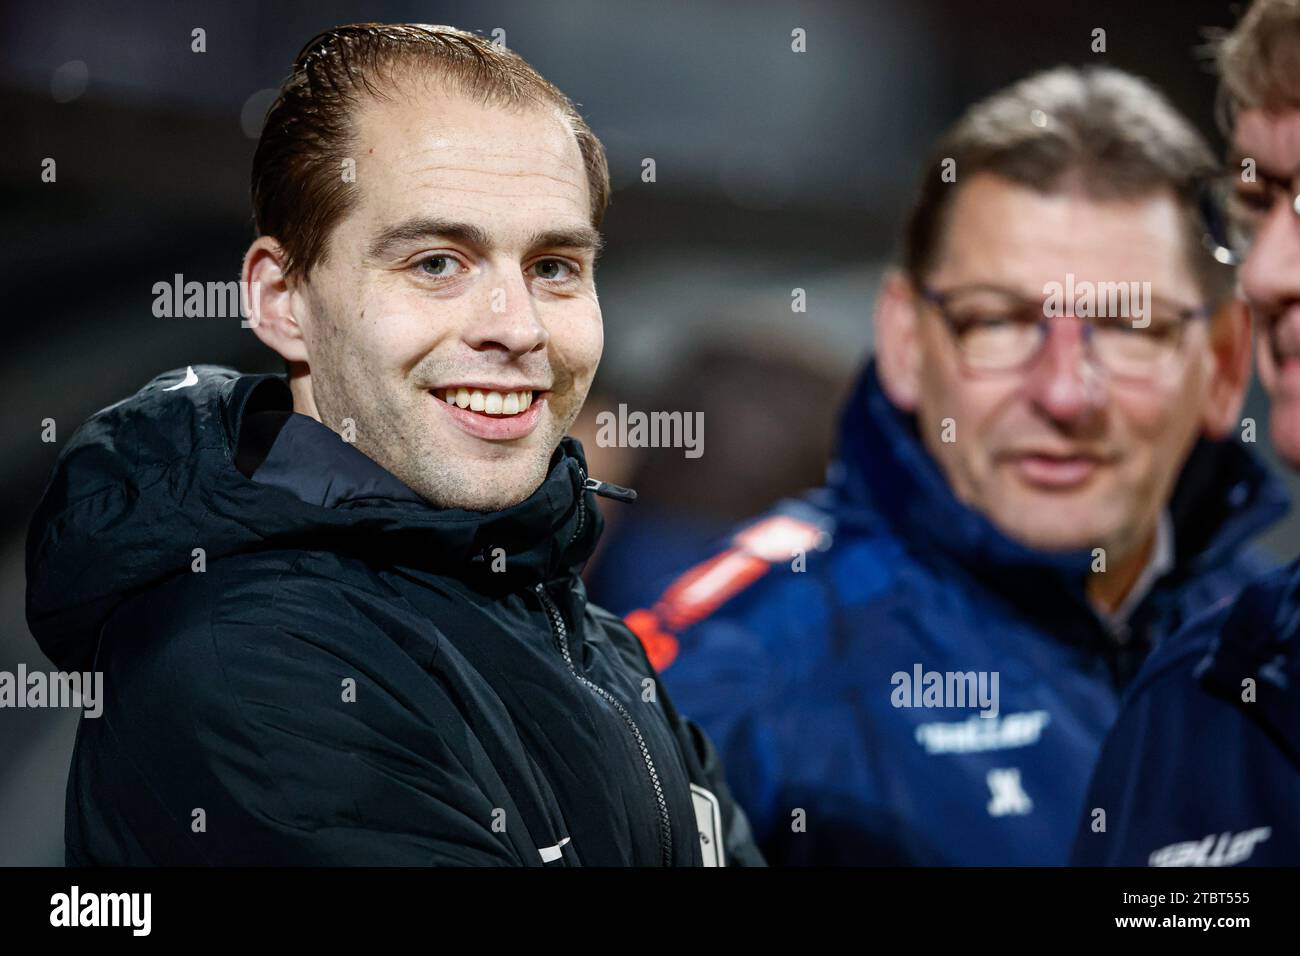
[(1009, 798)]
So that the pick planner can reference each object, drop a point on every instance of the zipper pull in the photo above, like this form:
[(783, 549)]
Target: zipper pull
[(607, 490)]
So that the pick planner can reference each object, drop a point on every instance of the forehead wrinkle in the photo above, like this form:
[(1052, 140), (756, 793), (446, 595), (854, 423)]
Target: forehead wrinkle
[(475, 149), (435, 153), (1276, 135), (472, 170), (432, 151), (452, 150), (1001, 239)]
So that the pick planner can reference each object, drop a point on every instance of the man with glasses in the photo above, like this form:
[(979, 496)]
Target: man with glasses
[(917, 663), (1203, 765)]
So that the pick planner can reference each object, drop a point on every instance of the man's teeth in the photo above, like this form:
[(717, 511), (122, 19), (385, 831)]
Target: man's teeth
[(490, 403)]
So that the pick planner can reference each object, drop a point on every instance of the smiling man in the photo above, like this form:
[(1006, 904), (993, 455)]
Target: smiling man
[(1030, 493), (339, 615), (1203, 766), (479, 213)]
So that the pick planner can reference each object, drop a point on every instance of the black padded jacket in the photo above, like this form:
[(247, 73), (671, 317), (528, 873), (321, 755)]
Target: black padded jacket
[(305, 663)]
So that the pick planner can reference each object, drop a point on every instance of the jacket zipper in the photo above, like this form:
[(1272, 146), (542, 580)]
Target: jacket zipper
[(582, 504), (561, 634)]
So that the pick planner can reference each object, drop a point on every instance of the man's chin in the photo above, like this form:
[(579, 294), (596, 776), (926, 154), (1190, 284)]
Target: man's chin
[(483, 486), (1056, 525)]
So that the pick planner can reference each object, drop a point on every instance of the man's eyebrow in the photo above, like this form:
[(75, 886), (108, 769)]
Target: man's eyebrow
[(581, 237), (423, 227)]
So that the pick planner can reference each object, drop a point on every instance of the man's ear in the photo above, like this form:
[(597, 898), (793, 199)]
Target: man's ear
[(1230, 372), (270, 300), (898, 344)]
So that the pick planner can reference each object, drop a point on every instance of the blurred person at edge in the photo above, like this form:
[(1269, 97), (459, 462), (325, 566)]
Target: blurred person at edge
[(917, 663), (1202, 767), (388, 657)]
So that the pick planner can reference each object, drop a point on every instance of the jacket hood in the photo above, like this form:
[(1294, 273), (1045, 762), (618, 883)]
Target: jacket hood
[(146, 481), (883, 473)]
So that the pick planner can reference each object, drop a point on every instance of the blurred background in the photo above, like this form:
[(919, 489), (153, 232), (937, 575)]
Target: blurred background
[(775, 170)]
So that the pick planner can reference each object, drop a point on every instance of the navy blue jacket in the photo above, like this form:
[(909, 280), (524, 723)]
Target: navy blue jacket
[(785, 646), (1203, 766)]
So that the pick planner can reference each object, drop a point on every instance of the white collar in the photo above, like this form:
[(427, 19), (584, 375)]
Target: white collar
[(1160, 563)]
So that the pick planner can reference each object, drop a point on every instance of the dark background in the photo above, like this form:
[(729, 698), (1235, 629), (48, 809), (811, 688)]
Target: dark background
[(775, 170)]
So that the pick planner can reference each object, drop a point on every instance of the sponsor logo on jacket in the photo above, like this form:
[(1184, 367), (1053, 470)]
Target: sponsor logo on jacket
[(978, 733), (1216, 849)]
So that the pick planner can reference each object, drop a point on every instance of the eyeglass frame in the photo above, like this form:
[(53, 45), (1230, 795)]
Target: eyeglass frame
[(939, 299)]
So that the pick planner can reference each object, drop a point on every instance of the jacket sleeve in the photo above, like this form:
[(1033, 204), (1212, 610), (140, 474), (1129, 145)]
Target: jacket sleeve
[(252, 744)]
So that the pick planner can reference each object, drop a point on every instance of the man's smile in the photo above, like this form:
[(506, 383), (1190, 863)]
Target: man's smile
[(1056, 470), (495, 413)]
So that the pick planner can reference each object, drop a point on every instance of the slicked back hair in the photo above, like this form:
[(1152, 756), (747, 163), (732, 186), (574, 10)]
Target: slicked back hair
[(299, 191)]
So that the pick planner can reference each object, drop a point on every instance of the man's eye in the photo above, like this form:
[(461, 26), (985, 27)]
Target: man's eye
[(1155, 327), (1163, 329), (439, 267), (553, 270), (989, 321)]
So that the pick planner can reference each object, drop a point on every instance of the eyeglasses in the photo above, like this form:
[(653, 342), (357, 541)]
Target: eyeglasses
[(1235, 204), (996, 330)]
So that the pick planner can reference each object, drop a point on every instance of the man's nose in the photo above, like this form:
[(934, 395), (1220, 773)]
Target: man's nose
[(1270, 276), (506, 320), (1062, 379)]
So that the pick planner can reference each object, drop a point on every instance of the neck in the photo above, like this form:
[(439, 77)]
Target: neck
[(1109, 589), (300, 387)]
